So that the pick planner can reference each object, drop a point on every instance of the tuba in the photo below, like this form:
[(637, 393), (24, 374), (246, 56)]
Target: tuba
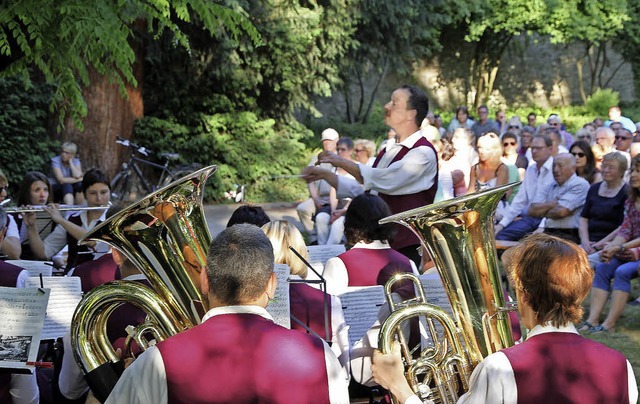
[(458, 234), (166, 236)]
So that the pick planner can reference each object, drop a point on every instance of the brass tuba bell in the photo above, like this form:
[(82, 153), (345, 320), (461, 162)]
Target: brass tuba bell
[(459, 236), (166, 236)]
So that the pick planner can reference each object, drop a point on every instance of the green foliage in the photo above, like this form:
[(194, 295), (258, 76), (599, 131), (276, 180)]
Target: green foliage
[(65, 40), (247, 150), (24, 142), (599, 102)]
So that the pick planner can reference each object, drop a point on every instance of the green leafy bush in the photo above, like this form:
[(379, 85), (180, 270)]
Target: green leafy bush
[(247, 150), (600, 101), (25, 143)]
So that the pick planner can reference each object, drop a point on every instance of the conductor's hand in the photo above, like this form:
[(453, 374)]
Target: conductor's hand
[(388, 371), (329, 157), (313, 173)]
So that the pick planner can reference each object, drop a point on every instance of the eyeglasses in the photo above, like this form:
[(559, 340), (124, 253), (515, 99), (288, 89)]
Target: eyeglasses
[(618, 137), (513, 127), (342, 149), (359, 150), (505, 144), (4, 188), (579, 154)]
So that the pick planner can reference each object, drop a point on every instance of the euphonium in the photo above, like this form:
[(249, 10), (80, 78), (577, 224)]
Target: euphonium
[(166, 236), (459, 236)]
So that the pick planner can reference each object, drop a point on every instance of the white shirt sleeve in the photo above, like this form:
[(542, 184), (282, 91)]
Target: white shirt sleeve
[(24, 389), (348, 187), (340, 338), (71, 382), (492, 381), (55, 241), (336, 275), (336, 376), (23, 276), (145, 381), (633, 386), (414, 173), (12, 228)]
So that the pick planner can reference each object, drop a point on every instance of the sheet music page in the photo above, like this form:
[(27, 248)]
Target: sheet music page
[(279, 306), (35, 268), (361, 306), (435, 293), (320, 254), (65, 296), (22, 312)]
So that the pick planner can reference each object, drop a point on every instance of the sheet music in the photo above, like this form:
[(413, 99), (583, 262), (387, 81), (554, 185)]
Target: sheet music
[(35, 268), (320, 254), (361, 306), (66, 293), (279, 306), (22, 313), (435, 293)]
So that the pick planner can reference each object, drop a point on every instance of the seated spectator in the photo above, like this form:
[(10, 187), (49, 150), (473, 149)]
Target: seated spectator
[(555, 364), (514, 125), (490, 171), (566, 138), (330, 219), (97, 191), (307, 303), (252, 214), (483, 125), (67, 175), (531, 119), (604, 207), (516, 221), (465, 155), (624, 138), (586, 135), (34, 191), (526, 136), (364, 151), (585, 162), (11, 244), (560, 203), (510, 155), (621, 258), (371, 261), (501, 120), (450, 178), (461, 120), (606, 139)]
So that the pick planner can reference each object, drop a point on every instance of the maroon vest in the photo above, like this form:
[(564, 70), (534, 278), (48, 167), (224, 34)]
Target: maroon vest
[(561, 368), (9, 274), (307, 305), (244, 358), (77, 253), (96, 272), (370, 267), (401, 203)]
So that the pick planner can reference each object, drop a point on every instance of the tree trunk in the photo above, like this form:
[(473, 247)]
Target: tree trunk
[(108, 114)]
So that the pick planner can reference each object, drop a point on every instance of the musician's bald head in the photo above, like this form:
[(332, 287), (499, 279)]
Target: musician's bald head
[(239, 265)]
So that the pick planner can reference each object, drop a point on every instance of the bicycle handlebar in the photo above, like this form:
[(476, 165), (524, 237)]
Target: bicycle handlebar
[(126, 143)]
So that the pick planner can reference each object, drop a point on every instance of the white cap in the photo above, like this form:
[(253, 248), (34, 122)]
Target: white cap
[(330, 134)]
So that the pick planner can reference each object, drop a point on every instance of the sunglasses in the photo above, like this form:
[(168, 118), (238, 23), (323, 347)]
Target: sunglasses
[(359, 150), (513, 127), (618, 137), (4, 188), (579, 154), (505, 144)]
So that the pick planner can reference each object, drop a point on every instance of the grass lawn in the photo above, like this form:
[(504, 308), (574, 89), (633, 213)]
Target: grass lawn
[(626, 337)]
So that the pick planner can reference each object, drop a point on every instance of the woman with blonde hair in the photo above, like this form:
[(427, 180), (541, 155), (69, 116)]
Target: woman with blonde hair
[(283, 235), (490, 171), (364, 151)]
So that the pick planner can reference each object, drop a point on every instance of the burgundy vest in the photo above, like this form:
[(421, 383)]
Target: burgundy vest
[(401, 203), (244, 358), (96, 272), (562, 368), (370, 267), (307, 305), (9, 274), (74, 258)]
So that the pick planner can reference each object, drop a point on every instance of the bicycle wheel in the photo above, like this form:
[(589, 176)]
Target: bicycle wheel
[(120, 187)]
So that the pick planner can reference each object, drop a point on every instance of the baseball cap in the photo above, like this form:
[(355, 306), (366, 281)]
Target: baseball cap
[(330, 134)]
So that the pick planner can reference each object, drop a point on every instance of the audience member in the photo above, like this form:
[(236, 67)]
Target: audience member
[(514, 125), (551, 278), (285, 366), (465, 155), (603, 209), (585, 162), (560, 203), (330, 219), (307, 303), (96, 189), (490, 171), (526, 135), (66, 176), (586, 135), (252, 214), (483, 124), (461, 120), (318, 190), (624, 138), (615, 115), (531, 119), (501, 120), (516, 221), (428, 129), (510, 155), (566, 138), (450, 178), (606, 139), (621, 258), (598, 122), (364, 151)]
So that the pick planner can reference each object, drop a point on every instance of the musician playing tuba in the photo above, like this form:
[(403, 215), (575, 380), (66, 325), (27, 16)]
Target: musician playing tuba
[(237, 353), (551, 278)]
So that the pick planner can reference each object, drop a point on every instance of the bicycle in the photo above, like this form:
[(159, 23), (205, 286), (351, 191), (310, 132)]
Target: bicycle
[(131, 184)]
